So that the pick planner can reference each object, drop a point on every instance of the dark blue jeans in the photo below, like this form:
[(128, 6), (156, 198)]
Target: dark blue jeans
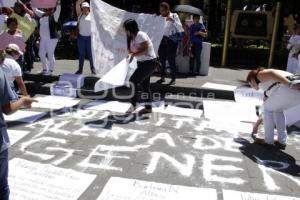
[(167, 52), (4, 189), (196, 55), (84, 48)]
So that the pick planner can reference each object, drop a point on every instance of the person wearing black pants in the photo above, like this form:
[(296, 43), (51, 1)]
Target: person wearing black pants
[(168, 47), (140, 46), (167, 52), (141, 77)]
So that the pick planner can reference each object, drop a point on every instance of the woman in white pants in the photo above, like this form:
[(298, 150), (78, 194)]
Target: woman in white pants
[(280, 94), (49, 36)]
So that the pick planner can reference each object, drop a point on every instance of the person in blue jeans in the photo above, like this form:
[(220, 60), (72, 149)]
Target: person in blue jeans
[(197, 34), (84, 36), (9, 104)]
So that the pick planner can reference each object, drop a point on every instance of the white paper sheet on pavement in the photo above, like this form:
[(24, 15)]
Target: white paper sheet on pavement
[(117, 76), (108, 35), (229, 111), (55, 102), (236, 195), (248, 95), (179, 111), (217, 86), (292, 115), (131, 189), (113, 106), (29, 180), (24, 116)]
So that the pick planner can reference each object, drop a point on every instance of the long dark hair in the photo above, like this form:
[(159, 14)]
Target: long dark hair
[(132, 26)]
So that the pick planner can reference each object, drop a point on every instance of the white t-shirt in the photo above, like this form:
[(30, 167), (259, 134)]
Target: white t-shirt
[(140, 38), (85, 25), (11, 69), (173, 27)]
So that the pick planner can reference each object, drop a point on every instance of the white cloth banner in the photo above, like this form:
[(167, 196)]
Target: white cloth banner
[(117, 76), (109, 44), (7, 3)]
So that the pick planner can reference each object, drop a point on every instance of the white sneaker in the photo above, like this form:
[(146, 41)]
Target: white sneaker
[(42, 72)]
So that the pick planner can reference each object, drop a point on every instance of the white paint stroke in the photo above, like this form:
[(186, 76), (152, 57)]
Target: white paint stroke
[(162, 136), (184, 169), (268, 167), (209, 167), (41, 156), (203, 143)]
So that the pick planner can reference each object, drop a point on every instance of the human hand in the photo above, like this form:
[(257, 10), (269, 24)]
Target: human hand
[(130, 57), (170, 19), (27, 101)]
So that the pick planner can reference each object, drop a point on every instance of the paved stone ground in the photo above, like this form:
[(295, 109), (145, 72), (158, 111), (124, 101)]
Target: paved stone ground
[(162, 148)]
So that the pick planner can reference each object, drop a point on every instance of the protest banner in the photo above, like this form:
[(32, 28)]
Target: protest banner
[(109, 37)]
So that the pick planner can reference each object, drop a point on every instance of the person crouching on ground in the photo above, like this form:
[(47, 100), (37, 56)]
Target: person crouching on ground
[(140, 46), (8, 105), (197, 33), (280, 94)]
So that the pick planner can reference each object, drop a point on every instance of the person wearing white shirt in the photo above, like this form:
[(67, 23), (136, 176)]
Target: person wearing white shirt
[(280, 93), (140, 46), (12, 69), (294, 48), (168, 48), (84, 36), (49, 36)]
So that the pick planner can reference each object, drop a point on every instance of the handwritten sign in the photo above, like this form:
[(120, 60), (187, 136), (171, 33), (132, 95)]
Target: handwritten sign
[(29, 180), (235, 195), (109, 37), (130, 189), (43, 3)]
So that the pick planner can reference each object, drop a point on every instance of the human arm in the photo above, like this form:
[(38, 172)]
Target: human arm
[(141, 49), (175, 20), (27, 10), (24, 101), (56, 14), (38, 12), (21, 85), (271, 74), (78, 7)]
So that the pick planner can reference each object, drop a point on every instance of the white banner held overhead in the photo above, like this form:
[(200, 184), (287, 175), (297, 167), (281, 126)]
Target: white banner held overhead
[(109, 44)]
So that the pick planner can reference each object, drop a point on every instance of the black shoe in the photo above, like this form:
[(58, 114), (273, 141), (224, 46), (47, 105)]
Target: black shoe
[(279, 145), (172, 82), (78, 72), (162, 80)]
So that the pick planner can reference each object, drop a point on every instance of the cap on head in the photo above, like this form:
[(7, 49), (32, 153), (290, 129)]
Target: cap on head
[(14, 47), (85, 5)]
